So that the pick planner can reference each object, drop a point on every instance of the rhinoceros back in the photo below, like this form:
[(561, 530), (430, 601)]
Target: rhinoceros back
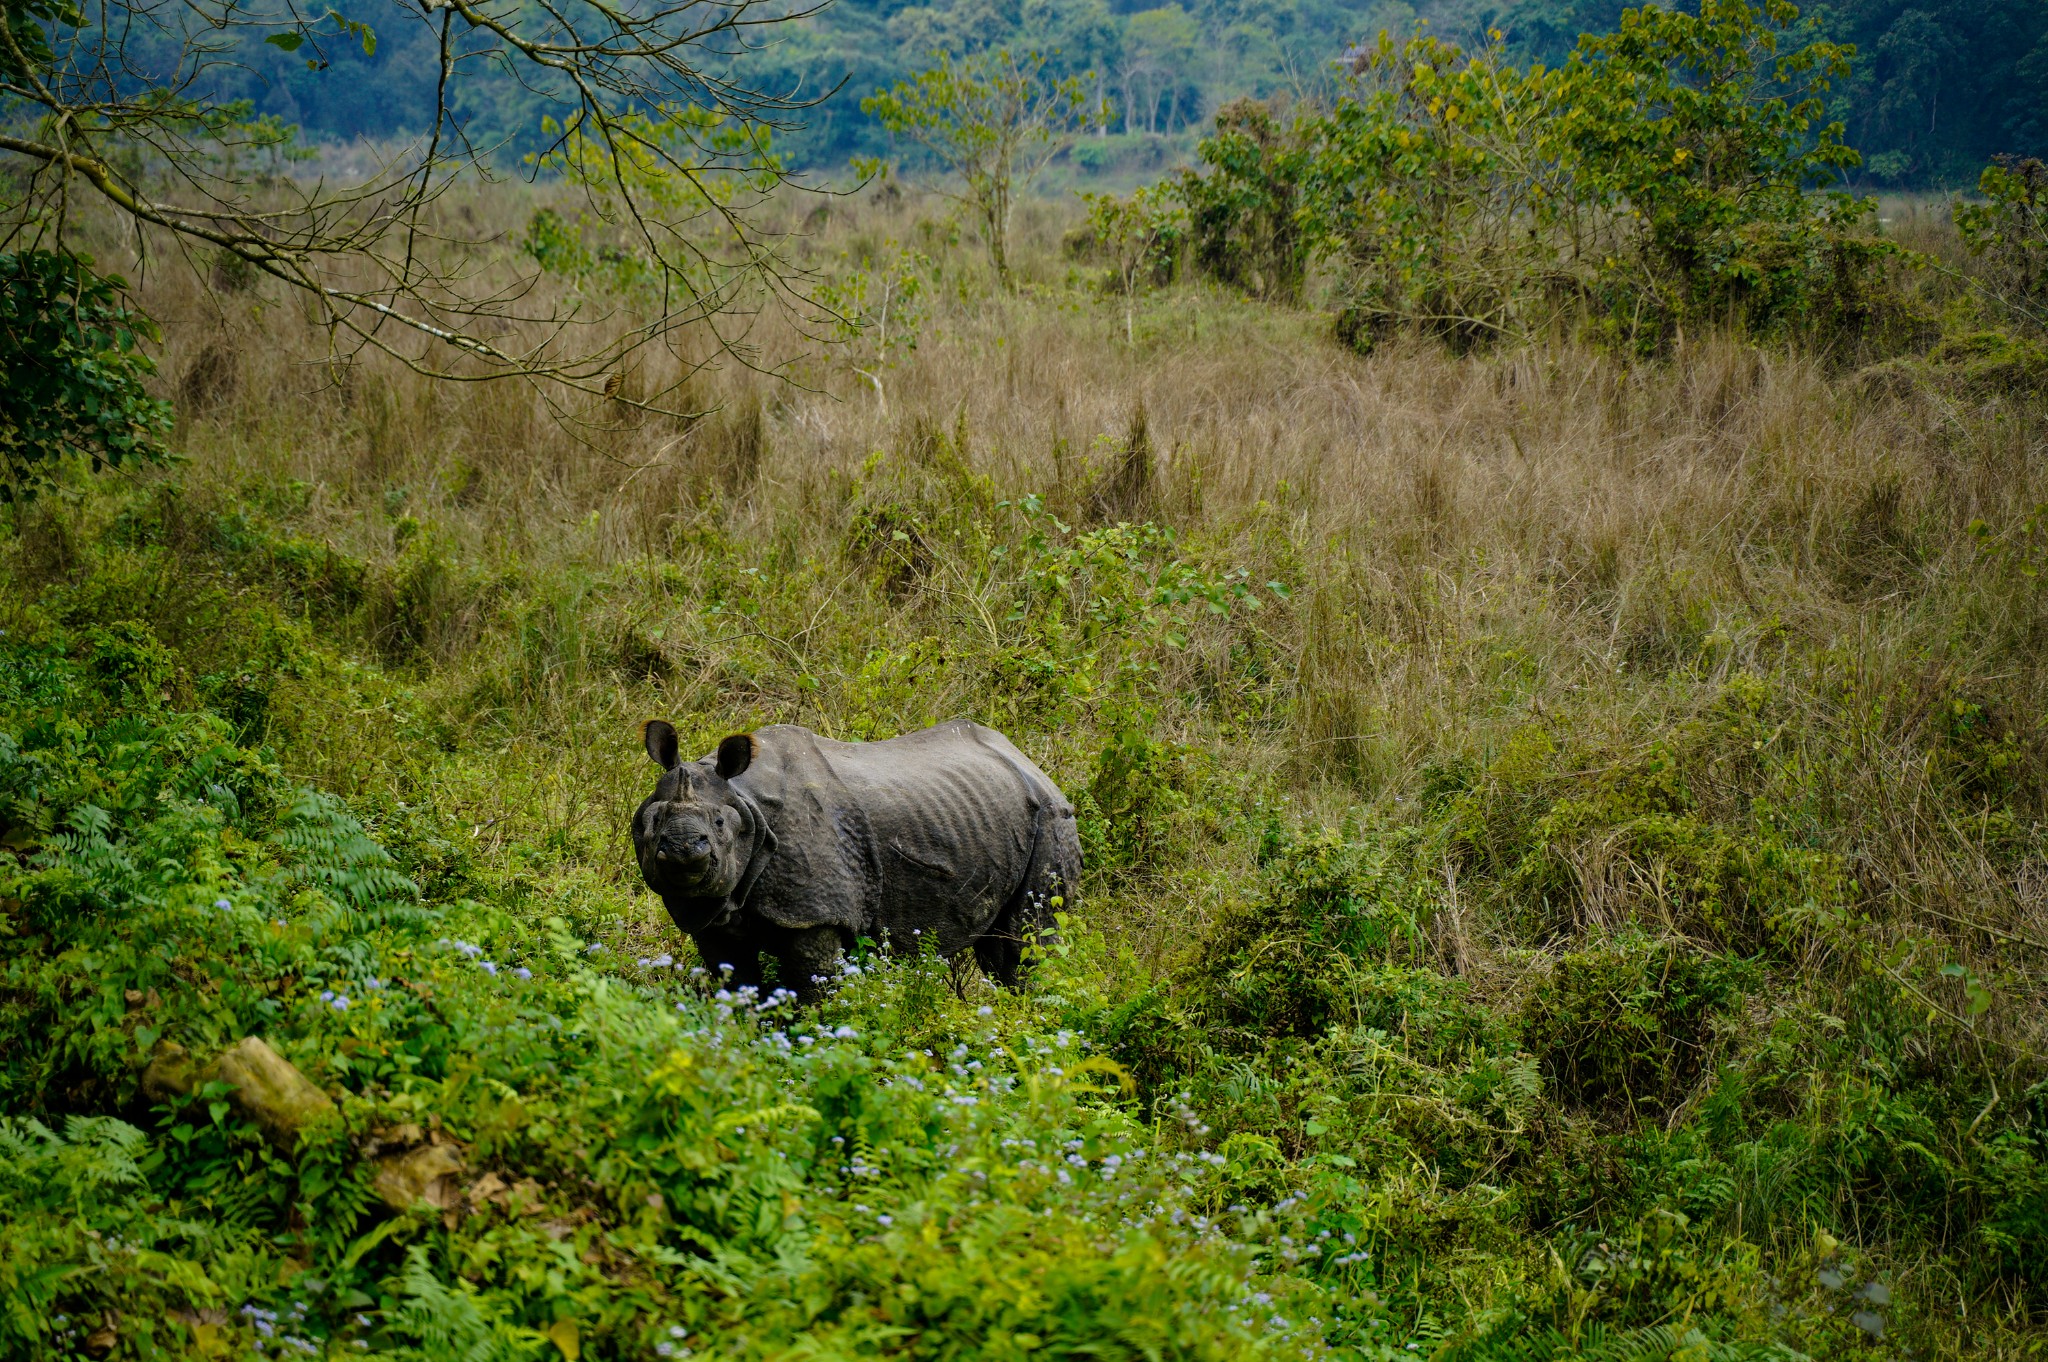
[(930, 835)]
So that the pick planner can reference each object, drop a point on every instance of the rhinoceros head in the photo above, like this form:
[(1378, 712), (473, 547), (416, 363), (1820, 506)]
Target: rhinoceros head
[(695, 834)]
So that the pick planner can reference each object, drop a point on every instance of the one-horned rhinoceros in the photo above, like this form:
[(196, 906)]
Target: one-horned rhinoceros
[(785, 844)]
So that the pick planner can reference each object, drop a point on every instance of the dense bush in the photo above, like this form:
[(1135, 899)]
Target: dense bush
[(1244, 214), (2009, 230)]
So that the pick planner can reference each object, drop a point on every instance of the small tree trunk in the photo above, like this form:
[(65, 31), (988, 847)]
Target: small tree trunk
[(999, 230)]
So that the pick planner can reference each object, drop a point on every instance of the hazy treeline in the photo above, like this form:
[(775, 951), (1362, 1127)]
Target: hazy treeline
[(1939, 86)]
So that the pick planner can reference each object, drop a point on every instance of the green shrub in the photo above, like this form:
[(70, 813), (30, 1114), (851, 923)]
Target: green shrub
[(2009, 230), (1243, 213), (1989, 363), (648, 1159), (1285, 962), (71, 370)]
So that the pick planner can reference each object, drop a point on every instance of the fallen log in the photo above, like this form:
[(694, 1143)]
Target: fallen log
[(284, 1104)]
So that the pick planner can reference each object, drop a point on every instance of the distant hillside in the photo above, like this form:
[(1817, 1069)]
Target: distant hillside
[(1940, 85)]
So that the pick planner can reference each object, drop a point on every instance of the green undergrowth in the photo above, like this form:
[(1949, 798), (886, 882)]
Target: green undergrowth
[(1336, 1126), (1310, 1139), (655, 1166)]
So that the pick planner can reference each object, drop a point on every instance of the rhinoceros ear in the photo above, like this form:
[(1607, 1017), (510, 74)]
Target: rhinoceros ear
[(735, 754), (659, 735)]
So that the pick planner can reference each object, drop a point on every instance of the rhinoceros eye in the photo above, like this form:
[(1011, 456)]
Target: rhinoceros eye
[(721, 820)]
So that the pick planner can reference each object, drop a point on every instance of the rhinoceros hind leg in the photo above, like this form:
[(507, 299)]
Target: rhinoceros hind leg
[(1029, 916), (1000, 951)]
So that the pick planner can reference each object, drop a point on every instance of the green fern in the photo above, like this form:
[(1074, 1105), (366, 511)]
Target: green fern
[(44, 1170), (453, 1323), (329, 849)]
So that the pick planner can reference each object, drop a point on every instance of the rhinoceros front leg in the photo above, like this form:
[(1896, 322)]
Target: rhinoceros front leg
[(809, 960), (734, 958)]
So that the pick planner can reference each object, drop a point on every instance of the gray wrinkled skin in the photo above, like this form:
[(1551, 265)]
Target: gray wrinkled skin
[(789, 845)]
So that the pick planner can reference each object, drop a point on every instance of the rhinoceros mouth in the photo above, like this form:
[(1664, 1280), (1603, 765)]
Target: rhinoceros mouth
[(692, 913), (695, 877)]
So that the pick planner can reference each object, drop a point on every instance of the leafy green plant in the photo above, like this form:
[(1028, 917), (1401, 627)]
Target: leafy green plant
[(1625, 1025), (646, 1159), (2009, 229), (1142, 234), (72, 371), (1709, 138), (877, 307), (1661, 177), (1244, 212)]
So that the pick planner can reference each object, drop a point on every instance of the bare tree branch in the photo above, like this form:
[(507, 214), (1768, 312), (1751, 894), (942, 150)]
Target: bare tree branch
[(670, 143)]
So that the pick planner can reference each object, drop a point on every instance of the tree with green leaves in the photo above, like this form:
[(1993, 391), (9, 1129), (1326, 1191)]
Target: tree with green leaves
[(1141, 234), (991, 122), (125, 109)]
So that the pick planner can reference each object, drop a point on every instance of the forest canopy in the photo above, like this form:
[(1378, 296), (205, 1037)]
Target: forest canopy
[(1939, 86)]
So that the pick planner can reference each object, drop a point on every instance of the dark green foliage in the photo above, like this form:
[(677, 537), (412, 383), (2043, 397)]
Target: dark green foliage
[(1942, 86), (1626, 1026), (71, 370), (1287, 962), (1714, 140), (649, 1161), (1140, 782), (1244, 212), (2009, 232), (1939, 87), (27, 24)]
